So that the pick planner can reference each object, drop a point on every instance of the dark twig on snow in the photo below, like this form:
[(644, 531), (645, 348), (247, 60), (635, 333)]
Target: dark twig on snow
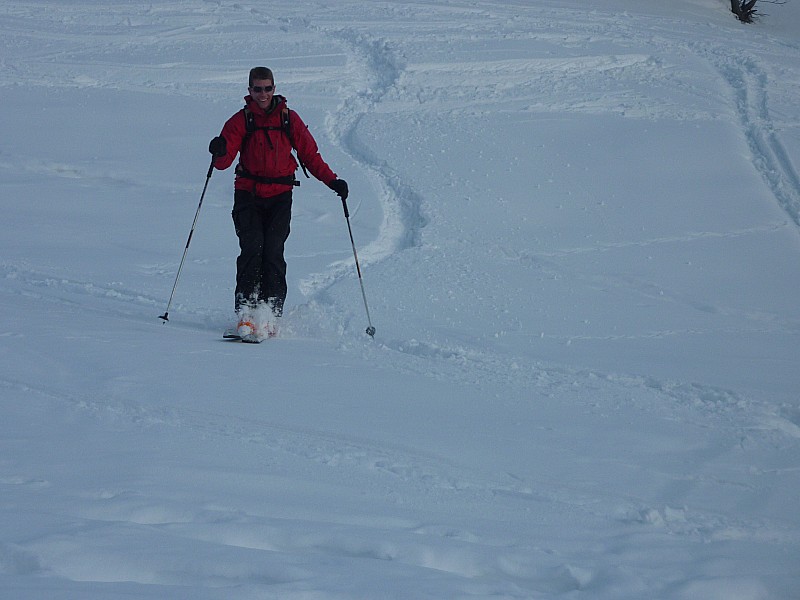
[(745, 10)]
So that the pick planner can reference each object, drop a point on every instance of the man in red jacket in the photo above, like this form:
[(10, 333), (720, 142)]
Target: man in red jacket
[(263, 134)]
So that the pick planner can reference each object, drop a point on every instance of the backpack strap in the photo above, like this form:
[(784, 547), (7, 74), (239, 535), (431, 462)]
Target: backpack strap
[(286, 123), (285, 127), (250, 128)]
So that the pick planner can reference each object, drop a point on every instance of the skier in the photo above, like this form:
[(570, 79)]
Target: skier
[(263, 134)]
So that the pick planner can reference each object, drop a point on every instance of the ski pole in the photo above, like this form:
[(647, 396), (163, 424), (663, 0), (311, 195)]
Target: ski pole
[(370, 328), (165, 316)]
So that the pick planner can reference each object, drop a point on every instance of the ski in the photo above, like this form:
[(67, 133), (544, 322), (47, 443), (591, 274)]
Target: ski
[(245, 339), (233, 335)]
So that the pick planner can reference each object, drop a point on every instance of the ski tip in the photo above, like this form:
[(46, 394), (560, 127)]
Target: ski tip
[(251, 334)]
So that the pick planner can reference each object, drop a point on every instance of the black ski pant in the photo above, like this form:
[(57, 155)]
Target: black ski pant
[(262, 226)]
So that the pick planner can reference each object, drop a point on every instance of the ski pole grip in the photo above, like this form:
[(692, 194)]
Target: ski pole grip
[(344, 206)]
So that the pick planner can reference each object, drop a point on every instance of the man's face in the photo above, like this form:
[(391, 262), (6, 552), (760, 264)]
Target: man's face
[(262, 91)]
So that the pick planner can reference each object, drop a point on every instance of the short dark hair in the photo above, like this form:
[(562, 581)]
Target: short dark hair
[(260, 73)]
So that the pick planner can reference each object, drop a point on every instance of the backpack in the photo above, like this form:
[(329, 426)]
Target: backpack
[(285, 127)]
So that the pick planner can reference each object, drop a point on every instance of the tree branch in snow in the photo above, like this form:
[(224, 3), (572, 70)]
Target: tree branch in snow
[(745, 10)]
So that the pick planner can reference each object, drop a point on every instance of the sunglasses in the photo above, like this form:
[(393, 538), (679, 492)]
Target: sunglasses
[(258, 89)]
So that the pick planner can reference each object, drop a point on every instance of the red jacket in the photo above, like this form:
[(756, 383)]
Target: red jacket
[(270, 157)]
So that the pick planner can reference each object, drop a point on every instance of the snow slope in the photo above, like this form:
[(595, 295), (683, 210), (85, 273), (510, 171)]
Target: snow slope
[(579, 231)]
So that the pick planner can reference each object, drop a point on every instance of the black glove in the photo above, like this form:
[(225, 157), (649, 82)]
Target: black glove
[(340, 187), (218, 146)]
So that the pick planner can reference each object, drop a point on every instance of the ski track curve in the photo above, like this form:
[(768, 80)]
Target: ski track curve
[(381, 69), (373, 68)]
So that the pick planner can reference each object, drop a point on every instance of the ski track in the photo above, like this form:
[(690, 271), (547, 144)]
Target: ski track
[(62, 290), (748, 82)]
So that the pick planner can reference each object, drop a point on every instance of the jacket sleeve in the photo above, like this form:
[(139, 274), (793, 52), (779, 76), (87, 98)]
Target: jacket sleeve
[(233, 131), (307, 150)]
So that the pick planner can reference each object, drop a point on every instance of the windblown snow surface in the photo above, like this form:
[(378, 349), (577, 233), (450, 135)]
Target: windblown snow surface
[(579, 230)]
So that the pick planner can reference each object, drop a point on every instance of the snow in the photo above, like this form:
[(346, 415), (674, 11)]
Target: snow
[(579, 232)]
